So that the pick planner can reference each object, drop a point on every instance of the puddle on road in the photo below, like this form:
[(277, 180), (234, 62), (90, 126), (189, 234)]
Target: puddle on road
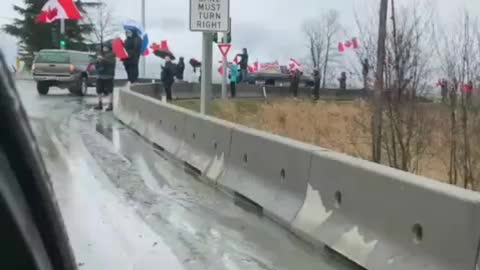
[(105, 130), (204, 227)]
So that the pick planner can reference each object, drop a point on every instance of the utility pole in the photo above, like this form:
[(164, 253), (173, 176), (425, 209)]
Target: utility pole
[(379, 84), (144, 62)]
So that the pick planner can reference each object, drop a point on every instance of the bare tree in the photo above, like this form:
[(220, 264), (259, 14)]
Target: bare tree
[(458, 51), (105, 27), (407, 123), (315, 42), (401, 125), (367, 30), (415, 135), (321, 36), (332, 28)]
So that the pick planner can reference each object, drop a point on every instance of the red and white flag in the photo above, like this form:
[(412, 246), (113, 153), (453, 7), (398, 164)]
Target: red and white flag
[(58, 9), (220, 69), (294, 65), (254, 68), (349, 44), (272, 67), (119, 49), (236, 60)]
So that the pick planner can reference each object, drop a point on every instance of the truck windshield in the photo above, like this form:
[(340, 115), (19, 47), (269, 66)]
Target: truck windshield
[(53, 57)]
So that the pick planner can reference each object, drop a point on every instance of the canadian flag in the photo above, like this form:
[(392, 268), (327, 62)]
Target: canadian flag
[(236, 60), (220, 69), (294, 65), (58, 9), (254, 68), (349, 44)]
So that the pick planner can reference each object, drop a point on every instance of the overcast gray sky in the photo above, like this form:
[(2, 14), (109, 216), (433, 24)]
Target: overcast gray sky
[(269, 28)]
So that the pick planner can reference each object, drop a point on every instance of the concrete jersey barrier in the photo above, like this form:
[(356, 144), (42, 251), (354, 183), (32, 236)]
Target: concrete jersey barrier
[(269, 170), (162, 124), (383, 218), (206, 144), (377, 216)]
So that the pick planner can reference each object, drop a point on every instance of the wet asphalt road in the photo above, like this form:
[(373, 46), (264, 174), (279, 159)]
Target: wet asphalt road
[(129, 206)]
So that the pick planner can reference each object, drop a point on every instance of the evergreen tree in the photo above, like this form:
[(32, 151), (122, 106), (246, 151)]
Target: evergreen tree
[(34, 37)]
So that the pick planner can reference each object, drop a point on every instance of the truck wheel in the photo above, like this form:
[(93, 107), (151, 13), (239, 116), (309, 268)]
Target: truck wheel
[(42, 88), (81, 88)]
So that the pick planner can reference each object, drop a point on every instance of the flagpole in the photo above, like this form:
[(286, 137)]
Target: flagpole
[(144, 64), (62, 33)]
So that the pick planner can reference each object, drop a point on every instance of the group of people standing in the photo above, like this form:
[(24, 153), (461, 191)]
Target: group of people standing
[(106, 63), (238, 73), (449, 91), (296, 75)]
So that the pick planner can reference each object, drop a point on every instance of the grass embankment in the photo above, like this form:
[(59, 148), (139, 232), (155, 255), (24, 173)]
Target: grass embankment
[(342, 126)]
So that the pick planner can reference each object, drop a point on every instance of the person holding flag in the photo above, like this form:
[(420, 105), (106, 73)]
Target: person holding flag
[(243, 65), (133, 46), (136, 45)]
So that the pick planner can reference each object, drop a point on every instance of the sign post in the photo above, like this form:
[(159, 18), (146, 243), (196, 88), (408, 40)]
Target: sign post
[(208, 17), (206, 82), (224, 49), (224, 78), (62, 34)]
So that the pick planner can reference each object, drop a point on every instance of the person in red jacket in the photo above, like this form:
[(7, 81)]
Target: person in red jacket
[(468, 92)]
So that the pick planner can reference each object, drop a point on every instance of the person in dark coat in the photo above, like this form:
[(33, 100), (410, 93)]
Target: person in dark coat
[(133, 46), (295, 82), (105, 66), (453, 92), (168, 76), (444, 89), (316, 86), (243, 65), (365, 72), (343, 81), (180, 69)]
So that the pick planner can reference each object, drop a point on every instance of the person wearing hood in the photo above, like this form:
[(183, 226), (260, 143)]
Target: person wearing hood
[(233, 79), (133, 46), (105, 66), (243, 65), (168, 77), (180, 69)]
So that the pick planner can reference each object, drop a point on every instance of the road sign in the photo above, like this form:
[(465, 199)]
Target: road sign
[(210, 15), (224, 49)]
